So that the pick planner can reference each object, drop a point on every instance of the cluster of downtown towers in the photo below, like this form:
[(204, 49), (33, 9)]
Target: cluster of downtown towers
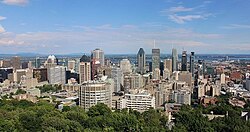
[(141, 60)]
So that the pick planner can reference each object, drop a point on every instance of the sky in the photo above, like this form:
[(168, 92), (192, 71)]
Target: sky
[(123, 26)]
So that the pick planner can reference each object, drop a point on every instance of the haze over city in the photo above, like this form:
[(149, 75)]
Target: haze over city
[(118, 27)]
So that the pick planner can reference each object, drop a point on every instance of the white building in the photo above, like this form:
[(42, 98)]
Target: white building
[(181, 97), (93, 92), (57, 75), (138, 101), (125, 66), (117, 76)]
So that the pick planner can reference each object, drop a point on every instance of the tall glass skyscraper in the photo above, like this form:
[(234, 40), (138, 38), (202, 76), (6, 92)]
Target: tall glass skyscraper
[(191, 69), (155, 59), (184, 61), (174, 59), (141, 60)]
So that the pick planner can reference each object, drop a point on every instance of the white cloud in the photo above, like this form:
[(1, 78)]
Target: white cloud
[(16, 2), (123, 39), (181, 14), (183, 19), (180, 9), (2, 18), (236, 26), (2, 29)]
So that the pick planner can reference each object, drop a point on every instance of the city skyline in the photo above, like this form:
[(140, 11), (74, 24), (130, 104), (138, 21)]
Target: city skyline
[(120, 27)]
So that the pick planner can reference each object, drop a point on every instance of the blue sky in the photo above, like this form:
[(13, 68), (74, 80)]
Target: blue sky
[(123, 26)]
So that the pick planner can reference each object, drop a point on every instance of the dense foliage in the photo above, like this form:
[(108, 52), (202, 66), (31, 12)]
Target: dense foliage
[(26, 116), (49, 88), (42, 116)]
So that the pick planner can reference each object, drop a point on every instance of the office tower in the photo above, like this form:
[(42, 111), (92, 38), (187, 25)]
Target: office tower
[(156, 74), (181, 96), (191, 64), (57, 75), (125, 66), (168, 65), (97, 56), (117, 76), (84, 72), (141, 60), (222, 78), (4, 72), (155, 59), (166, 74), (41, 74), (51, 61), (184, 61), (185, 76), (37, 62), (6, 63), (71, 65), (16, 62), (174, 60), (93, 92)]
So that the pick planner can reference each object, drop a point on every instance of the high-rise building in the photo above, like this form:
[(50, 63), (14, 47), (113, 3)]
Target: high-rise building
[(181, 97), (248, 84), (140, 101), (4, 73), (125, 66), (40, 74), (37, 62), (51, 61), (6, 63), (191, 64), (117, 76), (223, 78), (155, 59), (174, 60), (141, 60), (168, 65), (156, 74), (84, 72), (93, 92), (16, 62), (57, 75), (97, 56), (184, 61), (71, 65)]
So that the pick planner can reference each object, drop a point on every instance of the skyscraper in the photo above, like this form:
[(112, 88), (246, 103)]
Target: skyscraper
[(84, 72), (141, 60), (174, 59), (168, 65), (16, 62), (117, 76), (97, 56), (191, 69), (155, 59), (184, 61), (125, 66), (37, 62), (57, 75)]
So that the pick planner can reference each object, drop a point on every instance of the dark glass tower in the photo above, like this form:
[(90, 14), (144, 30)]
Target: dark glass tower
[(141, 60), (174, 59), (191, 64), (184, 61)]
